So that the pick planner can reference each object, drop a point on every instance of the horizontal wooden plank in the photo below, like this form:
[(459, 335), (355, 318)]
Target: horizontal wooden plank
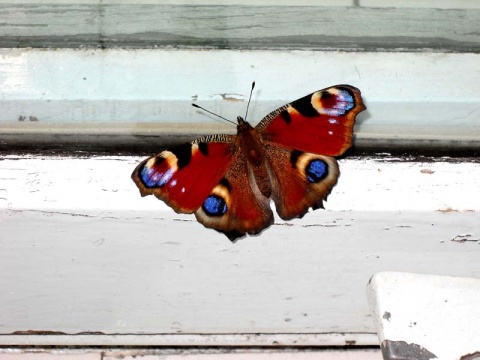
[(135, 272), (191, 353), (222, 342), (127, 99), (438, 185), (82, 252), (153, 138), (433, 4), (444, 3), (67, 25)]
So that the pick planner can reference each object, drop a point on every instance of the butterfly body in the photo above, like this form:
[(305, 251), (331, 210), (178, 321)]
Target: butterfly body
[(227, 181)]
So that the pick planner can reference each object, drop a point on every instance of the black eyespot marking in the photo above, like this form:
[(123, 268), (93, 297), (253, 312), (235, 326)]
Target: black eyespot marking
[(286, 116), (203, 147), (183, 153), (325, 95), (214, 205), (294, 157), (225, 183), (316, 170), (158, 160), (304, 106)]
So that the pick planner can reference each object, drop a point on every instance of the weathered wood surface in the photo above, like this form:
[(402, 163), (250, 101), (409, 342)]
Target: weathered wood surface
[(80, 251), (240, 27), (137, 98)]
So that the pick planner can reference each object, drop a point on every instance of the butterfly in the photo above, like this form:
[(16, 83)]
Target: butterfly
[(227, 181)]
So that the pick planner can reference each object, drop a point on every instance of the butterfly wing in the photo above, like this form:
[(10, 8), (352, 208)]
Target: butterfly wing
[(320, 123), (300, 180), (208, 177), (236, 206), (300, 141), (184, 176)]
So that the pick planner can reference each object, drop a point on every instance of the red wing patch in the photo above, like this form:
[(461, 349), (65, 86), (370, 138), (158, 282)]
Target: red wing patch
[(320, 123), (184, 176)]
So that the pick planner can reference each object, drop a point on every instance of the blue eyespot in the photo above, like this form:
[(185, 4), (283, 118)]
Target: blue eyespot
[(152, 178), (214, 206), (345, 102), (316, 170), (349, 102)]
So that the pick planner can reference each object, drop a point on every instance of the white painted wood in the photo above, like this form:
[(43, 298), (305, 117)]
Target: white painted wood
[(48, 355), (80, 251), (170, 354), (129, 96), (437, 313), (267, 355), (102, 184), (127, 69), (179, 341), (183, 75)]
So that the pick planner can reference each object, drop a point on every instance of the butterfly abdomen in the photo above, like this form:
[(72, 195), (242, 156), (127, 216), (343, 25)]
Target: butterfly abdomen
[(251, 145)]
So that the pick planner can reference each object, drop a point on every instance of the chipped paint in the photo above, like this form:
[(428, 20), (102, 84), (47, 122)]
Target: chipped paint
[(400, 350), (387, 316), (417, 331), (232, 97), (449, 209), (472, 356), (462, 238)]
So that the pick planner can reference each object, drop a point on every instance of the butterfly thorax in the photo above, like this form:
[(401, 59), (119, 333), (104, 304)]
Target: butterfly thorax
[(252, 147)]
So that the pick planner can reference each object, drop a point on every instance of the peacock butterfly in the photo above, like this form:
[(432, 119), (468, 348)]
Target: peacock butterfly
[(227, 181)]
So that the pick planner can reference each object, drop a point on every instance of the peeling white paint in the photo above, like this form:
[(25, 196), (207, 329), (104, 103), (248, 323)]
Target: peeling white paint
[(82, 251)]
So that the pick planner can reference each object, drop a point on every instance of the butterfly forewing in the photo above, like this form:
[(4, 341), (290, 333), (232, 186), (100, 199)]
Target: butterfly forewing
[(320, 123), (184, 176)]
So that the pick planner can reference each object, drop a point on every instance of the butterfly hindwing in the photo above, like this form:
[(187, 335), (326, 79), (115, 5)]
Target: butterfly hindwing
[(300, 180), (235, 206), (320, 123), (184, 176)]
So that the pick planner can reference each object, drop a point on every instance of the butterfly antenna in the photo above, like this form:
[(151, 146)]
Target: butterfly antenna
[(221, 117), (250, 98)]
